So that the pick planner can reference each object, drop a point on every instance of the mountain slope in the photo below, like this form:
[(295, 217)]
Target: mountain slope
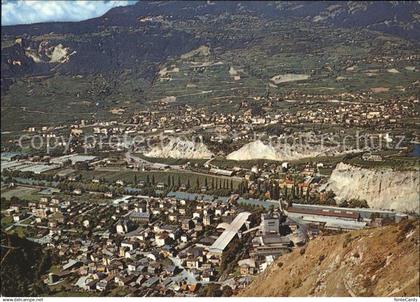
[(23, 262), (400, 18), (89, 67), (149, 30), (180, 148), (372, 262)]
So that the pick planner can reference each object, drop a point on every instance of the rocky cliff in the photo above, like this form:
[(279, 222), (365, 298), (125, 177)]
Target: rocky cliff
[(384, 188), (371, 262), (180, 148), (282, 151)]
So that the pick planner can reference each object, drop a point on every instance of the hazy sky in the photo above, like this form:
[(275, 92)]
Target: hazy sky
[(33, 11)]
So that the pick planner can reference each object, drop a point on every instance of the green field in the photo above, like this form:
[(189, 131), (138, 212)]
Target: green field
[(6, 220), (171, 161), (20, 192), (160, 176)]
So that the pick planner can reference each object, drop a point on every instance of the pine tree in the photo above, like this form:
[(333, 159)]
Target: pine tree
[(307, 195), (271, 191), (277, 190)]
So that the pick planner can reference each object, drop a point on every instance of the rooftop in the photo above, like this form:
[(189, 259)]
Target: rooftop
[(336, 222), (73, 157), (226, 237)]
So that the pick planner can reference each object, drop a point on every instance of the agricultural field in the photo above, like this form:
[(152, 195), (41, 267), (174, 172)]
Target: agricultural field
[(36, 99), (171, 161), (21, 193), (128, 177), (216, 70), (324, 68), (395, 162)]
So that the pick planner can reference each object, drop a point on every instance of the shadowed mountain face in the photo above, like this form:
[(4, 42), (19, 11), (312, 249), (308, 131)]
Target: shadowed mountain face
[(143, 32), (125, 48), (388, 16), (99, 52), (23, 263)]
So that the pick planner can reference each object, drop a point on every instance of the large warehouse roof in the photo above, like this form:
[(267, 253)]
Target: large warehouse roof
[(226, 237)]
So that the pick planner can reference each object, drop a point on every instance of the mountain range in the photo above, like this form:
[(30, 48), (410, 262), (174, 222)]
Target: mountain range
[(119, 54)]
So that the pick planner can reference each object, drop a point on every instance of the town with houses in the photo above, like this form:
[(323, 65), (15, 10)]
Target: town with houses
[(212, 149), (167, 118), (121, 220), (185, 239)]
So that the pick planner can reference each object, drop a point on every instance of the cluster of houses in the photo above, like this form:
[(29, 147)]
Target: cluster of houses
[(172, 245), (355, 114), (221, 124), (145, 245)]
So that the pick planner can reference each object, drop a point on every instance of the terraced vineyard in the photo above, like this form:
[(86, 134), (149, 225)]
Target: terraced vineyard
[(138, 61)]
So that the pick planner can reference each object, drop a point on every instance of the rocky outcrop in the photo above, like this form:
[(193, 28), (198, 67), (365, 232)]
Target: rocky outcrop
[(49, 54), (372, 262), (254, 150), (180, 148), (258, 150), (383, 189)]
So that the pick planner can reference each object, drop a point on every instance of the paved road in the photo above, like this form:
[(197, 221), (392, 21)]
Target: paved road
[(41, 227), (140, 161), (19, 223), (185, 274), (209, 161)]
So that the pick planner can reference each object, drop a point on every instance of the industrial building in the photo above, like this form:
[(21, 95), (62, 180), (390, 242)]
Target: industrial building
[(270, 245), (74, 158), (270, 223), (342, 213), (365, 213), (10, 156), (332, 223), (226, 237), (333, 218), (221, 172)]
